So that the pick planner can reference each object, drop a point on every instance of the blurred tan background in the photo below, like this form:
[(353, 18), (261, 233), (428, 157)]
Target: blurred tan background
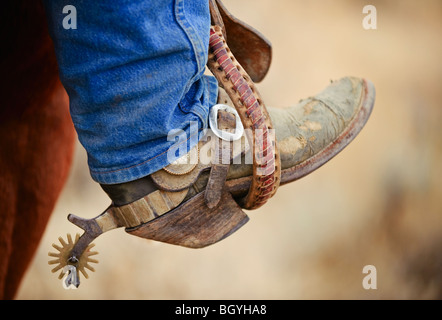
[(379, 202)]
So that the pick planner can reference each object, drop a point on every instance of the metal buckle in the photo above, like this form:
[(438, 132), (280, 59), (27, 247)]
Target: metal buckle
[(213, 122)]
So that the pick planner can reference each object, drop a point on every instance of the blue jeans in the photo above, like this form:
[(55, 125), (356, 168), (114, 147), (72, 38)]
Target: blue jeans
[(134, 71)]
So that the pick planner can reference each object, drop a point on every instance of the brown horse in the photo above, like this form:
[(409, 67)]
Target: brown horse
[(36, 138)]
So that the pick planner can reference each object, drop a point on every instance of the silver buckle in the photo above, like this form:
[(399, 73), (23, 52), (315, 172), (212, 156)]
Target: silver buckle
[(228, 136)]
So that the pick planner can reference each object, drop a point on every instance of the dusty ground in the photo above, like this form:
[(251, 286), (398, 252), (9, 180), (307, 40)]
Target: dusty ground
[(379, 202)]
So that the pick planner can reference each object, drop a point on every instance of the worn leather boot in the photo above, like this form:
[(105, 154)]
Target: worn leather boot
[(171, 205), (308, 135)]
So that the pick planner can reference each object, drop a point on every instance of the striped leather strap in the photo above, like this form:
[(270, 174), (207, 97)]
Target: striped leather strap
[(247, 101)]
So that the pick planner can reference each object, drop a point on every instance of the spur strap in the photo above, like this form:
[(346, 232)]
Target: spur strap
[(253, 113)]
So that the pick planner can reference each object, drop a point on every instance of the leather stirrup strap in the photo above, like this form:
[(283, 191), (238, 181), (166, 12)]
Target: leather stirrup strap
[(253, 113), (252, 50)]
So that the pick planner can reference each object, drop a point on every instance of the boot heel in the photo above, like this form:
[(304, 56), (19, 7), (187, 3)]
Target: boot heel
[(193, 224)]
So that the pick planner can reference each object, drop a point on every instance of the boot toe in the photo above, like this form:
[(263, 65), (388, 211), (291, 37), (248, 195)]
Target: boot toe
[(312, 132)]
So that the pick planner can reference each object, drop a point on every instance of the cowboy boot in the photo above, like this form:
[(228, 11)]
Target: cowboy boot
[(308, 135), (196, 203), (171, 205)]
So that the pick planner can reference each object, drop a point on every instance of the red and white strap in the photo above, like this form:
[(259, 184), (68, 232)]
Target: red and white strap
[(253, 113)]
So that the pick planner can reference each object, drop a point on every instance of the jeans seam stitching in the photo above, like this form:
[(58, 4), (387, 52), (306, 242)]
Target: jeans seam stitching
[(195, 41)]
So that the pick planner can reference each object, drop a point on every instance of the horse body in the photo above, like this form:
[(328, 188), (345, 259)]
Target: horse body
[(36, 138)]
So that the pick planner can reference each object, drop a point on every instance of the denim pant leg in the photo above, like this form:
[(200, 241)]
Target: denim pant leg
[(134, 73)]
